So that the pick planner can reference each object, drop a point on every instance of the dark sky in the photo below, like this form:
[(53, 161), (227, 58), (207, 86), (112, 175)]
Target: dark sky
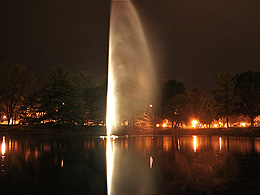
[(191, 40)]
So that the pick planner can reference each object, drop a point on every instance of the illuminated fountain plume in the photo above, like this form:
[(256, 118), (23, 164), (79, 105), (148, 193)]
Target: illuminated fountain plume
[(131, 78)]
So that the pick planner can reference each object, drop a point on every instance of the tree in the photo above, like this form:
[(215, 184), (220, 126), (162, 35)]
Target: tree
[(173, 101), (15, 84), (98, 108), (196, 99), (87, 91), (29, 110), (208, 113), (225, 96), (61, 100), (248, 89)]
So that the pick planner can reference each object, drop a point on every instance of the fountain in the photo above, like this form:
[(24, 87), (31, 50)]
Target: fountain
[(131, 78)]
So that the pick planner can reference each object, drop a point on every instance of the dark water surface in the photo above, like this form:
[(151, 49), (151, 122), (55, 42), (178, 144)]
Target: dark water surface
[(140, 165)]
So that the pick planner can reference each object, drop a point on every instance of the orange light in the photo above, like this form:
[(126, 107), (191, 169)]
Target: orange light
[(157, 125), (220, 143), (194, 123), (243, 124), (164, 125), (194, 143), (4, 117)]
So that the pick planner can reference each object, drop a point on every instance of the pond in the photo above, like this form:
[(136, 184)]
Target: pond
[(137, 165)]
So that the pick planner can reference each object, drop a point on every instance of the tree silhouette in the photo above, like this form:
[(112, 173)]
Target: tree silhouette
[(173, 101), (15, 84), (248, 89), (60, 99), (225, 96)]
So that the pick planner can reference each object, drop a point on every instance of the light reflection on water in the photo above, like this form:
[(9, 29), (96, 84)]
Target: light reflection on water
[(184, 164), (141, 165)]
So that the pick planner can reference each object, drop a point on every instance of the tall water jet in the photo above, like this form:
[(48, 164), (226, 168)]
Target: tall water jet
[(131, 78)]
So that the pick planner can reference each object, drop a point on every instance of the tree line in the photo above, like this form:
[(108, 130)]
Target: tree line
[(234, 95), (66, 98), (74, 99)]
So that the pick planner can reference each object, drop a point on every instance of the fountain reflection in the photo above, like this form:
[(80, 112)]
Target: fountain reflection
[(3, 147), (110, 163), (151, 162), (220, 143), (195, 143), (179, 146)]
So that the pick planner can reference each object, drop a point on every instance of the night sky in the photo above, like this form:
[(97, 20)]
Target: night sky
[(191, 40)]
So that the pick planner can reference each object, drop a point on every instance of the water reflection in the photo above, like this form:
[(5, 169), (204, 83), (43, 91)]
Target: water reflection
[(195, 143), (151, 162), (3, 146), (200, 163), (139, 165), (220, 143), (110, 163)]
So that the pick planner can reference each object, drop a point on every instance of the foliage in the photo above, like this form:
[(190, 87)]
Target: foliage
[(208, 113), (225, 96), (174, 102), (86, 90), (196, 99), (98, 108), (15, 84), (248, 89), (29, 110), (74, 99), (200, 107), (60, 99)]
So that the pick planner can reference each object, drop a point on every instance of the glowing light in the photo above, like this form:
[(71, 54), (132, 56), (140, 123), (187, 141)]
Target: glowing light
[(215, 125), (179, 146), (3, 146), (157, 125), (151, 162), (113, 137), (164, 125), (195, 143), (243, 124), (220, 143), (110, 164), (194, 123), (151, 105), (61, 163), (4, 117)]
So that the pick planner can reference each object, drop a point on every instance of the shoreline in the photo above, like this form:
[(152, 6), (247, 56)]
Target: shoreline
[(130, 131)]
